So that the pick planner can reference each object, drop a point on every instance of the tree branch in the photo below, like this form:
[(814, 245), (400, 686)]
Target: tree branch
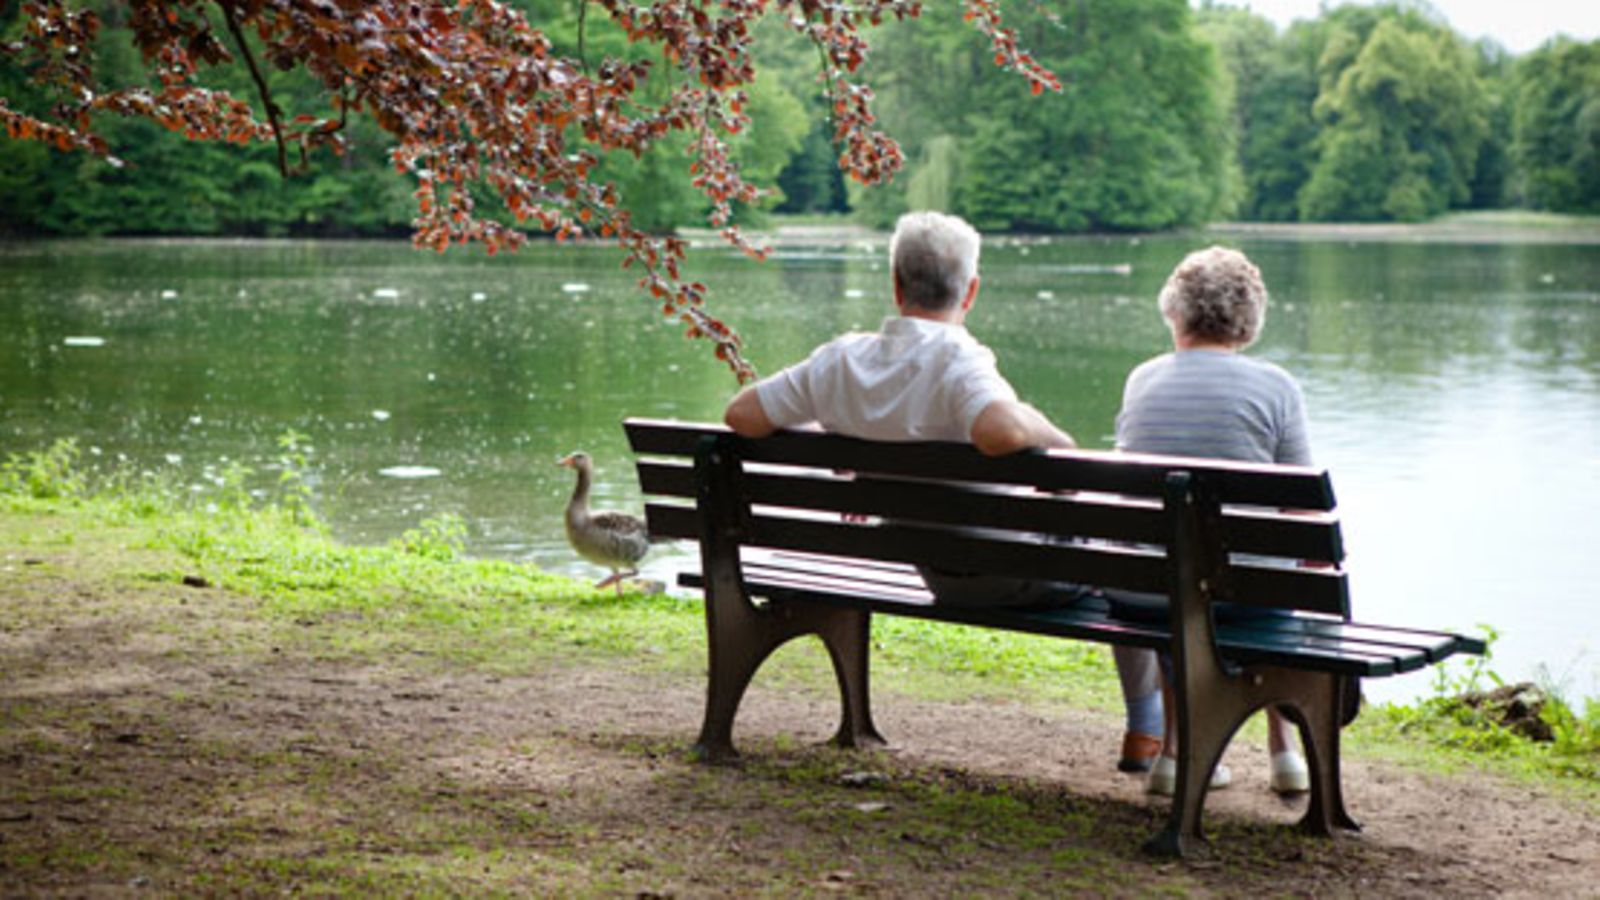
[(583, 57), (261, 87)]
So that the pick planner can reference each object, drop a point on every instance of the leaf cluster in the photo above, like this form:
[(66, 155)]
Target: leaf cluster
[(474, 96)]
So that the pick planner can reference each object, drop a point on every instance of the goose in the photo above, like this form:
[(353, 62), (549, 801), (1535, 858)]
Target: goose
[(614, 540)]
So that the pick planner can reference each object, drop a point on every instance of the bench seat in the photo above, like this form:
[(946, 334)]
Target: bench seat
[(1315, 643)]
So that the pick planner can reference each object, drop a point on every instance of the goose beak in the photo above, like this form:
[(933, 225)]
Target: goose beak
[(565, 461)]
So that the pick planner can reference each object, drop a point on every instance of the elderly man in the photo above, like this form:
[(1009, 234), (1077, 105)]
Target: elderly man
[(921, 376)]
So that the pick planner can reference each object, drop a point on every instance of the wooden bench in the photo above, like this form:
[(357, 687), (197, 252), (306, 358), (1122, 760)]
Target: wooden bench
[(768, 517)]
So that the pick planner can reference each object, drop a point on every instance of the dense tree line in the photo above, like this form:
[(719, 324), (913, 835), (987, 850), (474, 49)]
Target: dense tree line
[(1384, 113), (1168, 118)]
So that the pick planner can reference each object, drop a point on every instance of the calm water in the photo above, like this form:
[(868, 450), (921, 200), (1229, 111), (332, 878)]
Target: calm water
[(1454, 388)]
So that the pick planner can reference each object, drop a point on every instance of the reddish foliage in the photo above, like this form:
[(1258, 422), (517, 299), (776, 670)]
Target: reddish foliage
[(473, 94)]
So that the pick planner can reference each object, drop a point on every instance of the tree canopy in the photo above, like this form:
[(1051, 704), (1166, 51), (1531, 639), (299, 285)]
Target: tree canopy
[(1557, 127), (475, 99)]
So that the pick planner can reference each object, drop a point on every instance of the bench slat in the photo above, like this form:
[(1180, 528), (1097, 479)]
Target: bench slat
[(1310, 590), (1115, 473), (1312, 537)]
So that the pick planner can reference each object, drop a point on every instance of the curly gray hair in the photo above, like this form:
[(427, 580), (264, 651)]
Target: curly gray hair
[(934, 258), (1216, 294)]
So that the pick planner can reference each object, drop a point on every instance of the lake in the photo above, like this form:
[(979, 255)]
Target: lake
[(1450, 381)]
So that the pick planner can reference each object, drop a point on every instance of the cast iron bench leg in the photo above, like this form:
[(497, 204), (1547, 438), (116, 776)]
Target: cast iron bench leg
[(1320, 718), (1222, 703), (741, 637)]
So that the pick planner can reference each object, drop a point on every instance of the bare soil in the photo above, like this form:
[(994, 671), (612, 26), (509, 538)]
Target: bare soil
[(152, 740)]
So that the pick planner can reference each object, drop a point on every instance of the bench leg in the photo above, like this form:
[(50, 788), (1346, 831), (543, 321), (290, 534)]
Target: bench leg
[(735, 654), (847, 635), (1205, 726), (1319, 719), (741, 637), (1311, 700)]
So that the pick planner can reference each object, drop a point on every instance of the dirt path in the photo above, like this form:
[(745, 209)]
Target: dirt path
[(136, 756)]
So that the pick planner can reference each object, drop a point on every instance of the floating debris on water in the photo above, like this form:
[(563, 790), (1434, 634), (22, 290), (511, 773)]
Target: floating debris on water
[(1092, 268), (410, 472), (385, 293), (84, 341), (382, 415), (575, 287)]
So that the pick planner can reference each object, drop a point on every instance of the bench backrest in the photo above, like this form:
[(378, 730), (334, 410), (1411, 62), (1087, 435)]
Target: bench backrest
[(1093, 517)]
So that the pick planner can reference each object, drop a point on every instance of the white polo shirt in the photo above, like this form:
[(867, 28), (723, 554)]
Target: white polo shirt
[(915, 379)]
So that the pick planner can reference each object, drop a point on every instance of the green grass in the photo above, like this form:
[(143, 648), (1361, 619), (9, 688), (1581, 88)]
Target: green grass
[(419, 596)]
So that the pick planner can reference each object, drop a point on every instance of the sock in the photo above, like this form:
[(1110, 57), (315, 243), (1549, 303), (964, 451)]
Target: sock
[(1144, 714)]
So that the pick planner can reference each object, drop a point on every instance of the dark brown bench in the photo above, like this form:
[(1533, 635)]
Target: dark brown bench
[(780, 560)]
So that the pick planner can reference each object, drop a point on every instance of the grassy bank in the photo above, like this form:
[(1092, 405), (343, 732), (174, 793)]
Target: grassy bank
[(419, 597)]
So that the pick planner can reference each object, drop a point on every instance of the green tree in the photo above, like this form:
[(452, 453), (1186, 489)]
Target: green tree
[(1403, 114), (1492, 181), (812, 182), (1273, 88), (1137, 141), (1556, 144)]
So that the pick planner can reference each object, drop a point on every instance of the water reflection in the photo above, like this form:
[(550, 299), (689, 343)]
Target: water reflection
[(1454, 389)]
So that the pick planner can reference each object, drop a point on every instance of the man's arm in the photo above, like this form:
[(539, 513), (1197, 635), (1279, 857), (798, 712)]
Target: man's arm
[(1006, 426), (745, 415)]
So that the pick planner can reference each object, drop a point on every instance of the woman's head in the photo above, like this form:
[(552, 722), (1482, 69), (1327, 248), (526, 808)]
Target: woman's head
[(1215, 296)]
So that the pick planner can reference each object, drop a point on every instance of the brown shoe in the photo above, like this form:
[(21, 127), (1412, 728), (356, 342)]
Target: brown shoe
[(1139, 752)]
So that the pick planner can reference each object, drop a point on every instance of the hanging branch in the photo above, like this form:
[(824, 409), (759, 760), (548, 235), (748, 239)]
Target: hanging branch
[(266, 94)]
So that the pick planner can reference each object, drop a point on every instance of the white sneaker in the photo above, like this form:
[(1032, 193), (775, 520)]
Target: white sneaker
[(1289, 773), (1164, 777)]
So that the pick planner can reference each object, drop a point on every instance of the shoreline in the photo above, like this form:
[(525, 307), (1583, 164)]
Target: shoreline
[(1474, 227)]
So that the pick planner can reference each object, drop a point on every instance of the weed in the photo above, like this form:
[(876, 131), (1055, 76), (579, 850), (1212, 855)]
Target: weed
[(441, 538), (294, 487), (48, 474)]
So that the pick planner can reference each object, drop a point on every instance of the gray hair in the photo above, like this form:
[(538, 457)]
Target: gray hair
[(934, 257), (1216, 294)]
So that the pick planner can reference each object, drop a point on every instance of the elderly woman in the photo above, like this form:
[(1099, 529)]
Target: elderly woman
[(1207, 399)]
